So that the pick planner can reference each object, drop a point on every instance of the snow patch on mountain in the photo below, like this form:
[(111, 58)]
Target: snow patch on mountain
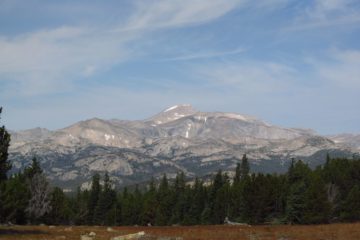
[(171, 108), (108, 137), (187, 131)]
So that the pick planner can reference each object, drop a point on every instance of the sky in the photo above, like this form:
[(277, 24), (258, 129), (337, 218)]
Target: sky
[(291, 63)]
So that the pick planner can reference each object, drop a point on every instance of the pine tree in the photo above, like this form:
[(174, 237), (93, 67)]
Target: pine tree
[(328, 159), (218, 194), (245, 167), (127, 208), (33, 169), (317, 206), (5, 165), (79, 206), (237, 176), (179, 199), (351, 205), (138, 205), (290, 172), (299, 172), (164, 209), (93, 198), (105, 203), (214, 188), (16, 198), (295, 204), (150, 204), (206, 216), (221, 204), (60, 212), (198, 202)]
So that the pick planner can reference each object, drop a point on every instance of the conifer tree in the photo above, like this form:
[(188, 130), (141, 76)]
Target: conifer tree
[(127, 208), (138, 205), (93, 198), (164, 209), (33, 169), (351, 205), (179, 199), (16, 199), (295, 204), (328, 159), (245, 167), (5, 165), (150, 204), (105, 203), (290, 172), (198, 201), (79, 207), (60, 212), (317, 206), (206, 216), (221, 204), (237, 176)]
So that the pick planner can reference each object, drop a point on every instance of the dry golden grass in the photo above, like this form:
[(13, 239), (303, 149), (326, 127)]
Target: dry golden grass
[(349, 231)]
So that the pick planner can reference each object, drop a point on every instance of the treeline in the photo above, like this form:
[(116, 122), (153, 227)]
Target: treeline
[(329, 193)]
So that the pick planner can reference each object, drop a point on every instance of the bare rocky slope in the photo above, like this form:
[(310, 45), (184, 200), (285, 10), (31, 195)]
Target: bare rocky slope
[(178, 139)]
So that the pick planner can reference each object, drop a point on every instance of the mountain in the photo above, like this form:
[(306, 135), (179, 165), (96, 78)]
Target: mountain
[(348, 140), (179, 138)]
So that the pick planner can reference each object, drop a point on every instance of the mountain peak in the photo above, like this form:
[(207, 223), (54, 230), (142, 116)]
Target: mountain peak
[(173, 113), (180, 107)]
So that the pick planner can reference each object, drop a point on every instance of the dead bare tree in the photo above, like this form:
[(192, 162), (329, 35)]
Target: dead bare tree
[(40, 191)]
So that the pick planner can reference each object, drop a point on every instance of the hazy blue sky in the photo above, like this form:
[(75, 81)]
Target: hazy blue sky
[(290, 63)]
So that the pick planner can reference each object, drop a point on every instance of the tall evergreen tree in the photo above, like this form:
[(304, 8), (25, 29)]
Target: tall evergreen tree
[(179, 199), (351, 205), (150, 204), (237, 176), (295, 204), (198, 201), (127, 208), (79, 206), (5, 165), (93, 198), (16, 199), (33, 169), (245, 167), (328, 159), (60, 211), (317, 207), (164, 209), (221, 204), (290, 172), (105, 203), (138, 205)]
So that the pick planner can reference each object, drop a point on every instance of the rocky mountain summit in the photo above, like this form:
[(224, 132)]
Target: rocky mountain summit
[(179, 138)]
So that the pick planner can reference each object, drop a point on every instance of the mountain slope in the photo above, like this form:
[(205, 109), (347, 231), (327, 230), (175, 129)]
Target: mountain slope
[(178, 139)]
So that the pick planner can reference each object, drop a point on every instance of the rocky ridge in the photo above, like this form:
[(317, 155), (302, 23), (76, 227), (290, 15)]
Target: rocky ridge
[(179, 138)]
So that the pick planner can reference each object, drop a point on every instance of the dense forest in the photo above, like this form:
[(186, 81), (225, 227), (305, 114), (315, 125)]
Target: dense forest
[(329, 193)]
